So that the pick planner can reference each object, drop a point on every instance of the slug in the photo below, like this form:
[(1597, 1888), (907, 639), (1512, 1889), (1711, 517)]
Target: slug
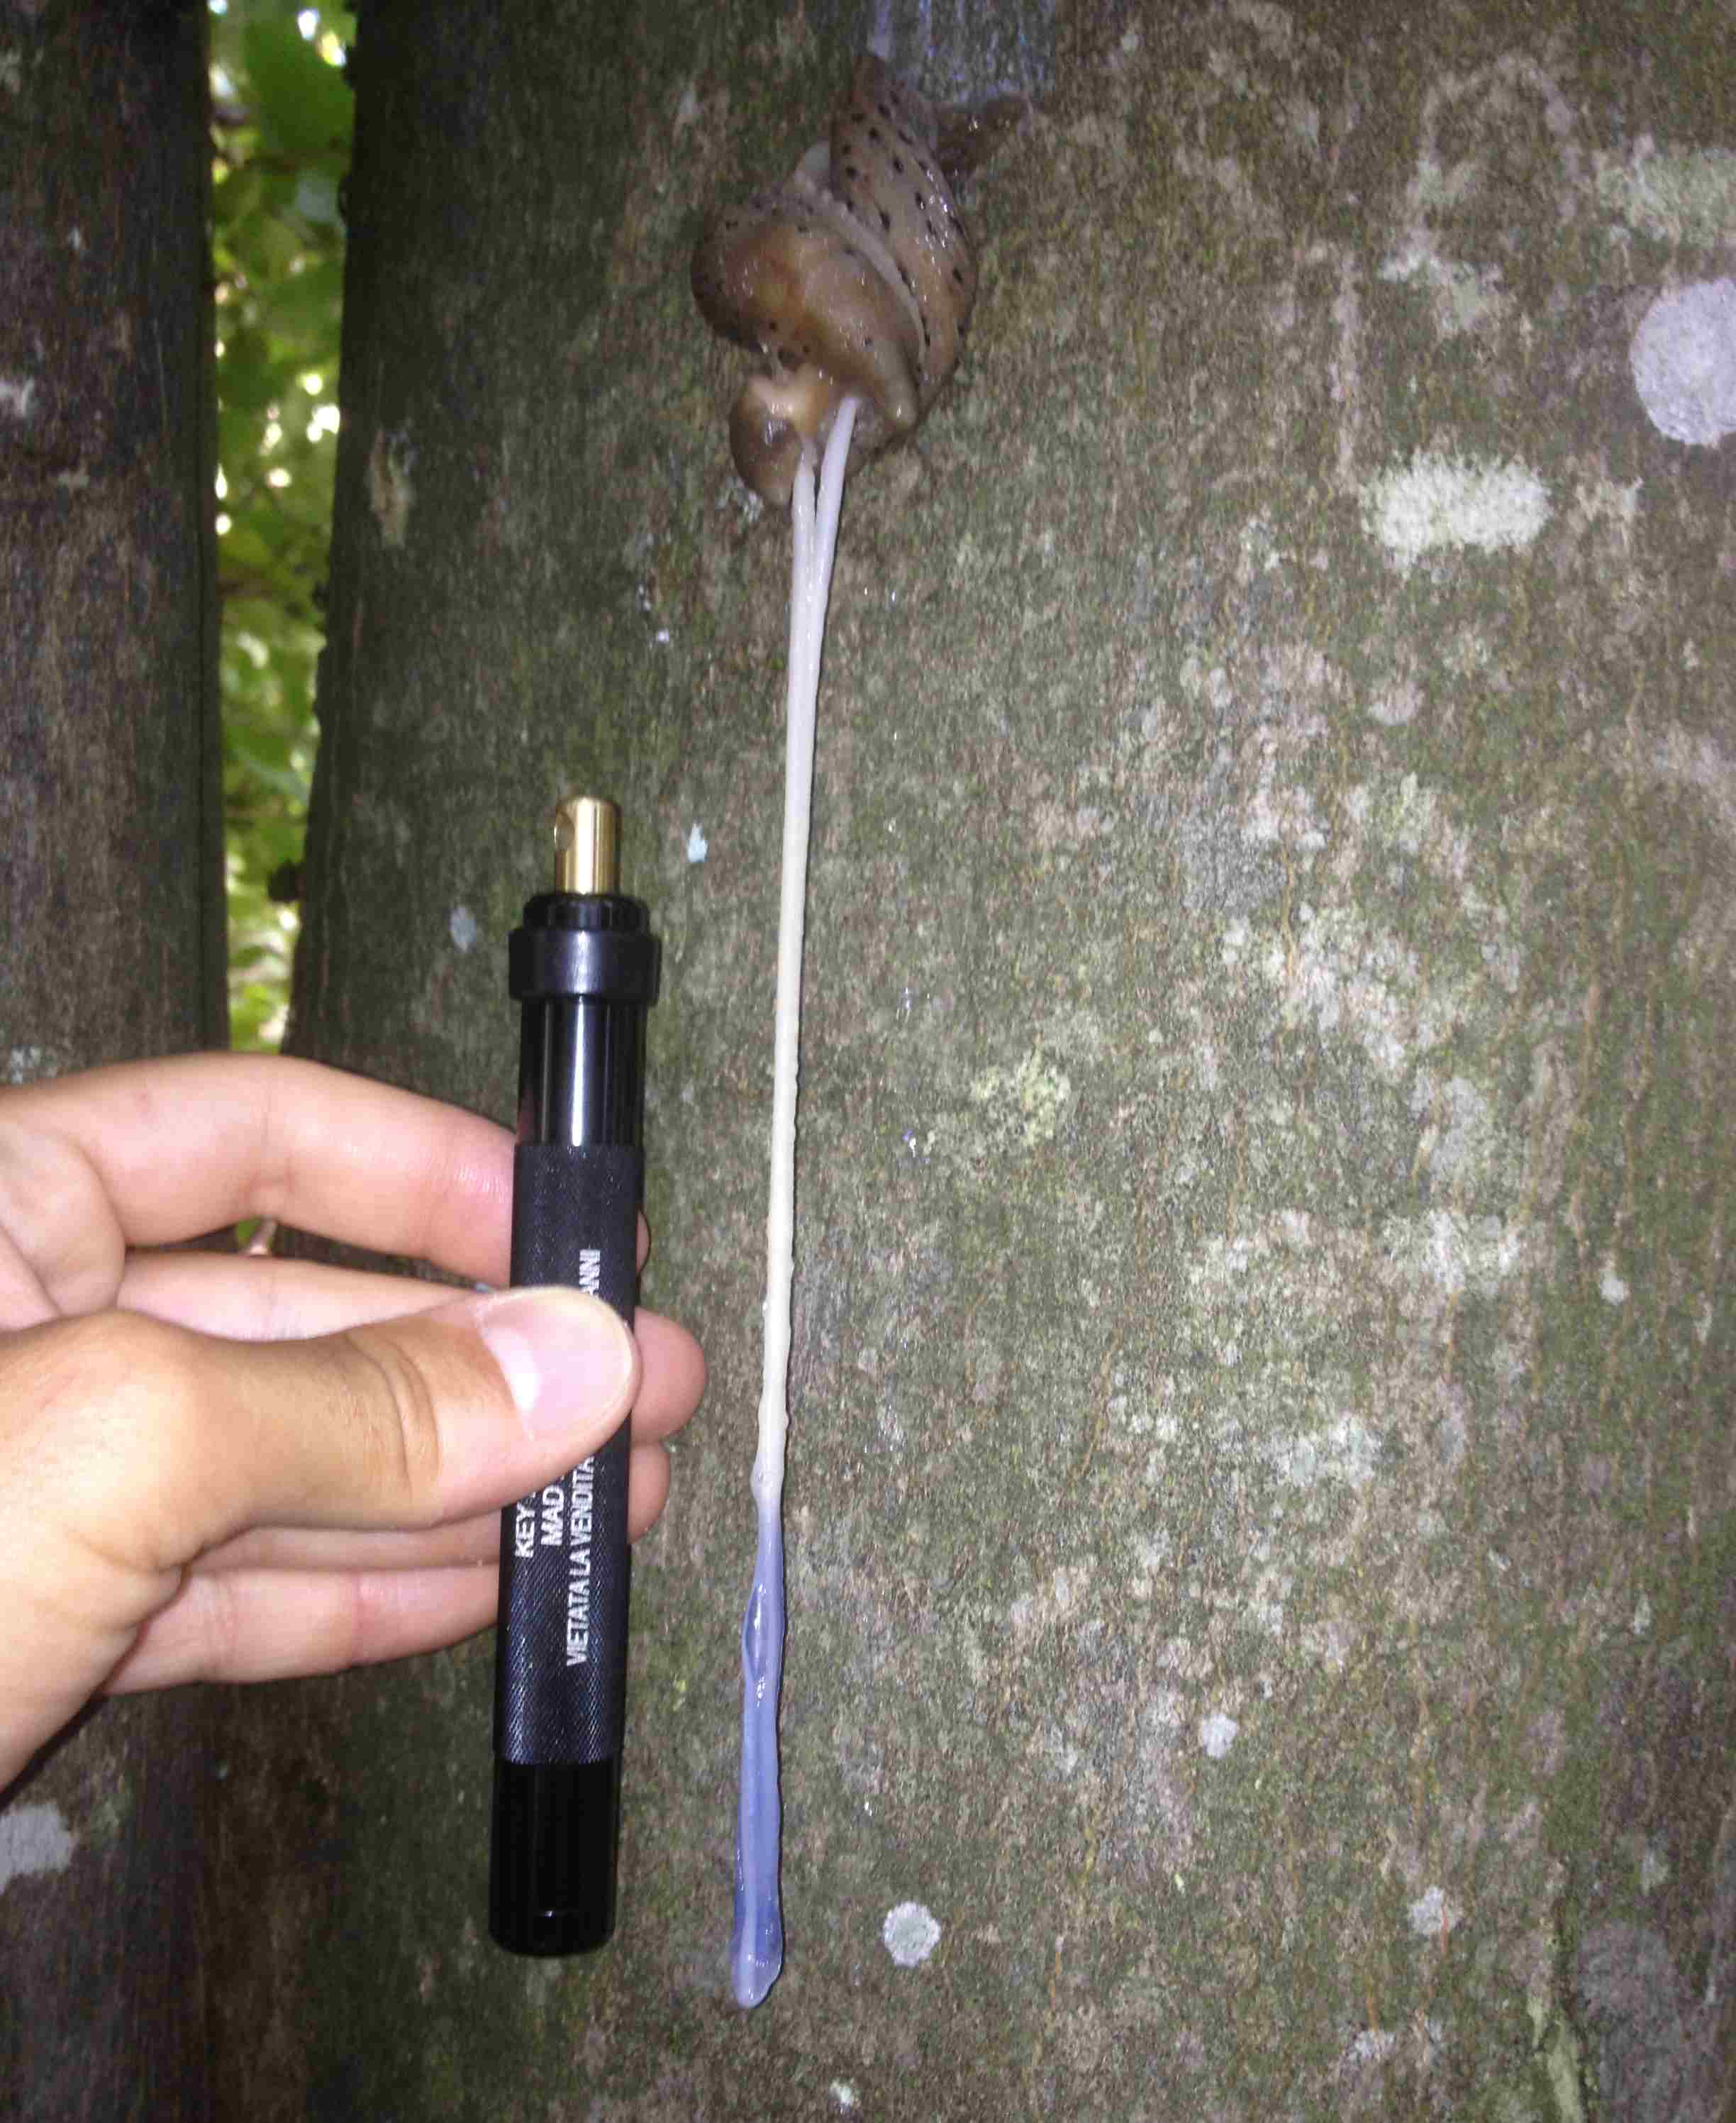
[(854, 277)]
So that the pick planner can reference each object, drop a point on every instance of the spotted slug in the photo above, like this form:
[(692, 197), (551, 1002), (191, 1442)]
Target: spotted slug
[(854, 277)]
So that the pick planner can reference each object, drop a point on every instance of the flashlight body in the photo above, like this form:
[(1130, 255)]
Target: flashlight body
[(583, 968)]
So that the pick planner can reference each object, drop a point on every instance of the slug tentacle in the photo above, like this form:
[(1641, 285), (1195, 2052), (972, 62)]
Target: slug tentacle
[(854, 277)]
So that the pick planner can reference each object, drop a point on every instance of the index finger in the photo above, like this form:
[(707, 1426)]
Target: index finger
[(183, 1146)]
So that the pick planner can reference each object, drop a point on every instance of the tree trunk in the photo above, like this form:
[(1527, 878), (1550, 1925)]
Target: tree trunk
[(111, 905), (1261, 1501)]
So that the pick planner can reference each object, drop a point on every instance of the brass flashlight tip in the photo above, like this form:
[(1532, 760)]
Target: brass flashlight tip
[(588, 838)]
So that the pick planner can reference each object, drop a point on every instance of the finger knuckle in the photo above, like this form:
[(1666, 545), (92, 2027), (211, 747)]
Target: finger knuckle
[(116, 1368), (121, 1409), (399, 1418)]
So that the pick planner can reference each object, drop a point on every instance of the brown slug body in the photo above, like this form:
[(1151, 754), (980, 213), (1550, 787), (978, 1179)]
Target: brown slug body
[(853, 277)]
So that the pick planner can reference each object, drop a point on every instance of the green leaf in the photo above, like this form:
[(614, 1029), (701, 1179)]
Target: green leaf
[(302, 105), (277, 248), (245, 375), (304, 303)]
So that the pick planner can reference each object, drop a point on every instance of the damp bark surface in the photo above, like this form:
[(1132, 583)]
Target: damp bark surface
[(111, 912), (1260, 1508)]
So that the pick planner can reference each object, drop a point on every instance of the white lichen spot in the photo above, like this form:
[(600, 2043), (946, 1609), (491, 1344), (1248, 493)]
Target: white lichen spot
[(391, 492), (463, 927), (1684, 195), (1459, 1141), (1436, 503), (1397, 706), (1563, 2066), (842, 2095), (1683, 359), (1611, 1286), (698, 846), (1370, 2049), (1034, 1613), (1059, 1755), (1278, 815), (1419, 825), (1271, 24), (1696, 762), (1023, 1105), (17, 393), (1236, 193), (1431, 1913), (1217, 1734), (33, 1840), (1612, 504), (1212, 688), (910, 1934), (1233, 946), (1346, 981), (1444, 1254), (1461, 298), (1345, 1451), (33, 1064)]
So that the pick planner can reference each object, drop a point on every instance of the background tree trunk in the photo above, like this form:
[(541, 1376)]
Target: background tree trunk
[(1261, 1510), (111, 907)]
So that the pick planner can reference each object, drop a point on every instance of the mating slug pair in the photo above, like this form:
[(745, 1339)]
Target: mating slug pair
[(852, 281), (854, 277)]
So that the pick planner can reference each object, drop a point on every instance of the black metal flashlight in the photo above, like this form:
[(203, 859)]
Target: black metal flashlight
[(583, 968)]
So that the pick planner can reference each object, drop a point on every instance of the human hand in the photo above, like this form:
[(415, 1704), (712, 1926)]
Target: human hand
[(224, 1467)]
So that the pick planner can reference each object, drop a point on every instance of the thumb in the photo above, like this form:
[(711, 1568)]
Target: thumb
[(156, 1442), (411, 1421), (129, 1447)]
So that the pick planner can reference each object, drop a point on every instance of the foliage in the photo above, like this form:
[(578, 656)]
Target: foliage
[(281, 112)]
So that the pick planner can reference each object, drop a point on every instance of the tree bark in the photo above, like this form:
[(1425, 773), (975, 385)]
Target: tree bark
[(111, 905), (1260, 1512)]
